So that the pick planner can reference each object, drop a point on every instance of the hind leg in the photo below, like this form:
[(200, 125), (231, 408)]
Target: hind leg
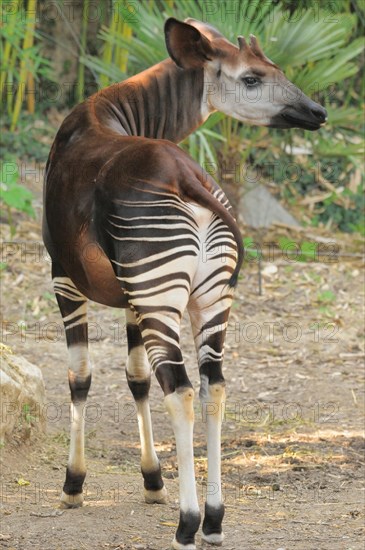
[(73, 308), (209, 308), (139, 380), (160, 329), (209, 326)]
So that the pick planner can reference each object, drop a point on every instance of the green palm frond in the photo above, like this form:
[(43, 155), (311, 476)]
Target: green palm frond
[(344, 117), (339, 148), (312, 47), (326, 73), (98, 67)]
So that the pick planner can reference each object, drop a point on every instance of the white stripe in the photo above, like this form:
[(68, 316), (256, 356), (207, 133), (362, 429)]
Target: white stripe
[(157, 239), (80, 310)]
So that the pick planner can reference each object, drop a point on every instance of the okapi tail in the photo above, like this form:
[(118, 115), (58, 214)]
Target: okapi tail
[(199, 192)]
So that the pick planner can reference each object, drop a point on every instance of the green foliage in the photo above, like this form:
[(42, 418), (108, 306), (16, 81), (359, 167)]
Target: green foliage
[(348, 219), (31, 139), (22, 63), (12, 194), (343, 208), (250, 251), (326, 297), (312, 42), (305, 251), (317, 43), (27, 415), (312, 47)]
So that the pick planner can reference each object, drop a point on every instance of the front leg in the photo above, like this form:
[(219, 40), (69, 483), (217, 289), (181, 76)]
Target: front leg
[(139, 379)]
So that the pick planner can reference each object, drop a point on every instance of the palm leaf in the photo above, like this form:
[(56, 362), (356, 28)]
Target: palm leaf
[(312, 47)]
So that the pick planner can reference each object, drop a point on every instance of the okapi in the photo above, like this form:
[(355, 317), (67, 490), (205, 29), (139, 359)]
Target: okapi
[(131, 221)]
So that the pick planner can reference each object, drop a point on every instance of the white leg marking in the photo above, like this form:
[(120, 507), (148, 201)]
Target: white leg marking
[(71, 501), (215, 538), (180, 407), (79, 360), (138, 369), (138, 366), (212, 401), (76, 459), (177, 546), (149, 459), (79, 366)]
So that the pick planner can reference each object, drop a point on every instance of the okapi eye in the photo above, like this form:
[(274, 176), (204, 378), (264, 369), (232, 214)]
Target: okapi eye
[(250, 81)]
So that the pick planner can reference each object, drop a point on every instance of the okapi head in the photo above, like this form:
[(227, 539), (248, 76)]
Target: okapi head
[(240, 81)]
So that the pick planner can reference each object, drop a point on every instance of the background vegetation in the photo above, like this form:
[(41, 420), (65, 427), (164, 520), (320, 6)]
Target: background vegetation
[(54, 56)]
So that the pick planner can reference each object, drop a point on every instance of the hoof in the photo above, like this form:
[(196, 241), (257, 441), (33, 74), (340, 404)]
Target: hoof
[(215, 538), (71, 501), (178, 546), (156, 497)]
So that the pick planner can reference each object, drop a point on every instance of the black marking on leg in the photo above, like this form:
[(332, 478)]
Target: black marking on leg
[(134, 337), (213, 518), (139, 388), (171, 377), (79, 387), (214, 340), (77, 335), (73, 483), (213, 371), (153, 479), (188, 526)]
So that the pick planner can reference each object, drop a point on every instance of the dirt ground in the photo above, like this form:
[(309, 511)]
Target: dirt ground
[(293, 441)]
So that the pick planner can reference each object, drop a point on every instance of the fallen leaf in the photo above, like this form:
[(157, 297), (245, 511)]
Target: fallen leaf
[(168, 523), (22, 482)]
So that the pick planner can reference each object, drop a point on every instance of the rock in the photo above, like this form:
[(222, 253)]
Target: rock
[(22, 396), (260, 209)]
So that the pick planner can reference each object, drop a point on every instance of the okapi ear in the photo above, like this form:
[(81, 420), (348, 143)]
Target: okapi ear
[(209, 31), (186, 45)]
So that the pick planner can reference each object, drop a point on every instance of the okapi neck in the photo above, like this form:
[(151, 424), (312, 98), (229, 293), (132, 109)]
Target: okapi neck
[(163, 102)]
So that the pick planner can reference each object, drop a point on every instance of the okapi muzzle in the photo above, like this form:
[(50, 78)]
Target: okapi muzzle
[(302, 112), (131, 221)]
